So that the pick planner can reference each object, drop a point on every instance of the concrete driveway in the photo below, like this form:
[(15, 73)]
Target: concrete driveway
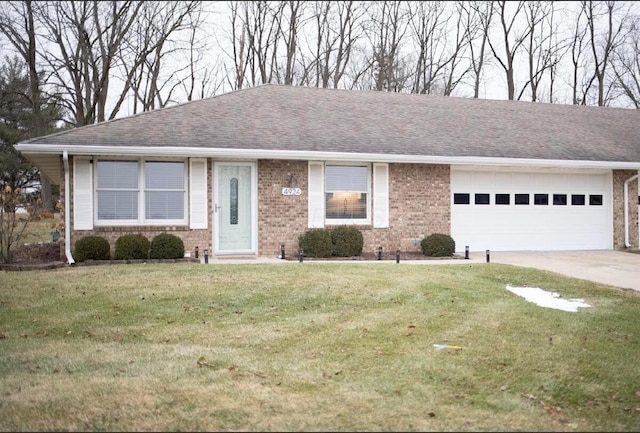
[(614, 268)]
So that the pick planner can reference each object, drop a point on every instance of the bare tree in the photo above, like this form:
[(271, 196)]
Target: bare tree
[(604, 44), (289, 33), (153, 45), (577, 46), (626, 66), (541, 50), (477, 17), (87, 37), (264, 35), (386, 29), (512, 40), (239, 45), (453, 73), (428, 24), (200, 78), (337, 31)]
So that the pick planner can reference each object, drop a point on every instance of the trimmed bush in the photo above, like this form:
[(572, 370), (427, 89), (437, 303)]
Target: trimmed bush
[(167, 246), (316, 243), (91, 248), (132, 247), (346, 241), (438, 245)]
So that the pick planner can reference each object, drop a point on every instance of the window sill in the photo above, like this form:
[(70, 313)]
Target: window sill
[(356, 226), (141, 228)]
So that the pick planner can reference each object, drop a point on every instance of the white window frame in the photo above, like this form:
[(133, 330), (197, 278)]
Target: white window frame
[(349, 221), (141, 220)]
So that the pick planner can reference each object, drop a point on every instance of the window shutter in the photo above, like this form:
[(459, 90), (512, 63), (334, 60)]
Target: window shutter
[(380, 195), (316, 194), (82, 194), (198, 193)]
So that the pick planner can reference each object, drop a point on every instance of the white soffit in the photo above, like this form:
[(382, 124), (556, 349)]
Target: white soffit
[(457, 161)]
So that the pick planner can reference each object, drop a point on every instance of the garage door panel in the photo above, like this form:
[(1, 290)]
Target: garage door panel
[(531, 227)]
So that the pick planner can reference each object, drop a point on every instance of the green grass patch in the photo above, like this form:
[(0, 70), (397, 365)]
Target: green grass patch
[(313, 346)]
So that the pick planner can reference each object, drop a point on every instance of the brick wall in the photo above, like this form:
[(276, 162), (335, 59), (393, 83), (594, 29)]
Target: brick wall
[(281, 218), (619, 177), (418, 205)]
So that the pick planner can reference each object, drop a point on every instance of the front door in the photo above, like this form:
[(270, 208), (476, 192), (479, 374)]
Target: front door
[(234, 208)]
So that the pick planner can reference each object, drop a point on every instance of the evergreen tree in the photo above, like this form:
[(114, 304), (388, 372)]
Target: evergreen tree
[(19, 179)]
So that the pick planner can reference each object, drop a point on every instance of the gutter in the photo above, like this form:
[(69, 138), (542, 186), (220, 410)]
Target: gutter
[(626, 210), (67, 210), (312, 155)]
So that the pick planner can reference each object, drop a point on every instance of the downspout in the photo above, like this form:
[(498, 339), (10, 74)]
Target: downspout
[(67, 210), (627, 244)]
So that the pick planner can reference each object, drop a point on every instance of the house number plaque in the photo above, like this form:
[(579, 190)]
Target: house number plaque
[(291, 191)]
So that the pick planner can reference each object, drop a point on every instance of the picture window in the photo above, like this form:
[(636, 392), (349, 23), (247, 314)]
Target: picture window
[(347, 193), (140, 192)]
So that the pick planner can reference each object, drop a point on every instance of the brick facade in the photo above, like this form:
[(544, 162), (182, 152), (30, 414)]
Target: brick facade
[(281, 218), (619, 177), (419, 205)]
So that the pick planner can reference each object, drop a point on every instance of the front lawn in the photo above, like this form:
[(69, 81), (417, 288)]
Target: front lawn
[(313, 347)]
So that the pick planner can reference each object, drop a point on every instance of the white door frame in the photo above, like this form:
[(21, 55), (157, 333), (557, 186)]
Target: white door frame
[(253, 250)]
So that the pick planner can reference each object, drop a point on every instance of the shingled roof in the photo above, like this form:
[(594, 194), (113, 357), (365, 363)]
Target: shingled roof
[(291, 118)]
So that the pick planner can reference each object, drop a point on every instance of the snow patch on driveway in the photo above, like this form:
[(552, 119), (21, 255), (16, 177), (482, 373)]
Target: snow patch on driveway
[(547, 299)]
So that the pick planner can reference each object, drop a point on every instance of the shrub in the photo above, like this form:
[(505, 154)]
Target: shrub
[(132, 247), (438, 245), (167, 246), (316, 243), (347, 241), (91, 248)]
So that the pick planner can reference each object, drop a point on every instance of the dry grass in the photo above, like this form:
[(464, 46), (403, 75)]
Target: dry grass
[(313, 346), (40, 230)]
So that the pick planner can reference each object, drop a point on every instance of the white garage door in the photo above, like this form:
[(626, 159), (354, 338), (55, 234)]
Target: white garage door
[(531, 211)]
